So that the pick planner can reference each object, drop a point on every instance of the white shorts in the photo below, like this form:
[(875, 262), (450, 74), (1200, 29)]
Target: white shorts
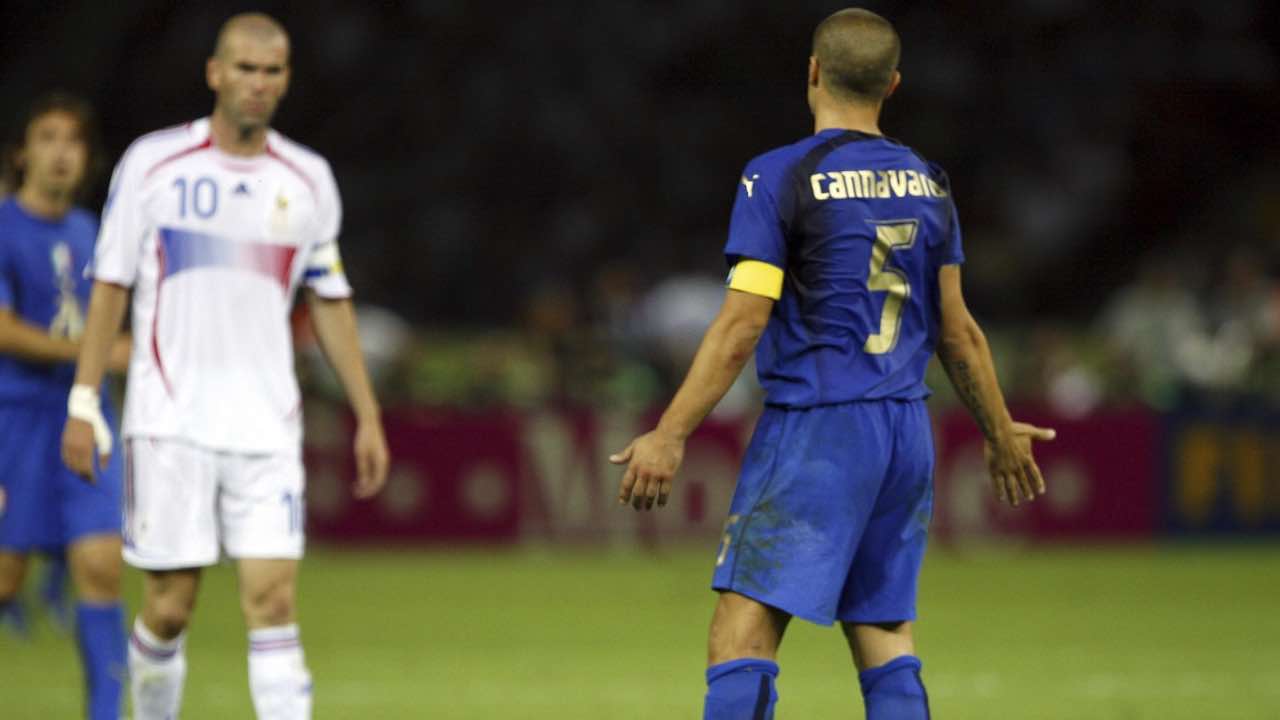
[(183, 503)]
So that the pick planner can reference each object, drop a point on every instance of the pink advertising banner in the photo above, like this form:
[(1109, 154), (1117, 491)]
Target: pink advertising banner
[(503, 476)]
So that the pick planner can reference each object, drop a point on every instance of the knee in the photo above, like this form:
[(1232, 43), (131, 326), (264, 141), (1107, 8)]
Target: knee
[(724, 647), (167, 615), (874, 644), (11, 575), (741, 635), (99, 580), (269, 606), (10, 584)]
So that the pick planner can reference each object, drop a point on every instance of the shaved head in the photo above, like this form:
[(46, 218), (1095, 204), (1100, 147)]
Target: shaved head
[(857, 53), (255, 26), (249, 75)]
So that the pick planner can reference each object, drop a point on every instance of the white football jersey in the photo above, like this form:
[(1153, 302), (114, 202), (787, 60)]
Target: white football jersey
[(214, 246)]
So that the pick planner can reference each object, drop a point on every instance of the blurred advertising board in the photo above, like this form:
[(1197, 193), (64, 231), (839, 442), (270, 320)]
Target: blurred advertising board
[(1222, 471), (454, 476), (498, 476)]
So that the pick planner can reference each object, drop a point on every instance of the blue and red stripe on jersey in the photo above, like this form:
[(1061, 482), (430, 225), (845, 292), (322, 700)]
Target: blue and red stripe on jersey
[(185, 250)]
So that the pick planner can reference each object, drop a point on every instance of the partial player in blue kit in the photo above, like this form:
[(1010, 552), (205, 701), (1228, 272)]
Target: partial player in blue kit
[(45, 244), (845, 254)]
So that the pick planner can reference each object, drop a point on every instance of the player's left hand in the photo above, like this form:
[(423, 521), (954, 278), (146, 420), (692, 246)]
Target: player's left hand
[(652, 460), (1015, 477), (372, 459)]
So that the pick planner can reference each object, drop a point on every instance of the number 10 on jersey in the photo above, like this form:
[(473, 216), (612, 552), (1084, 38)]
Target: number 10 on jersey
[(201, 198)]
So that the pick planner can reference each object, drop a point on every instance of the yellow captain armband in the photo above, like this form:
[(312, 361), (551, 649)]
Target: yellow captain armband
[(757, 278)]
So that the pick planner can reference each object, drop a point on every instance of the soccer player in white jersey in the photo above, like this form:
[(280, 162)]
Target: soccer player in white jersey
[(214, 225)]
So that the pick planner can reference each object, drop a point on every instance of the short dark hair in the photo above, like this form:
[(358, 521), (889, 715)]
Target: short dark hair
[(857, 52), (11, 172)]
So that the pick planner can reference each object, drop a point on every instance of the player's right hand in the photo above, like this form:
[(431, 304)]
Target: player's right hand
[(652, 461), (1014, 473)]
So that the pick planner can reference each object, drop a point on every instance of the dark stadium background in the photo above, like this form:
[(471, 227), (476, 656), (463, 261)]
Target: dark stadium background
[(536, 197)]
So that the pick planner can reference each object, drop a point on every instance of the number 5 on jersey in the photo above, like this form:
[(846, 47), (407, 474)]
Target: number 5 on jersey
[(891, 236)]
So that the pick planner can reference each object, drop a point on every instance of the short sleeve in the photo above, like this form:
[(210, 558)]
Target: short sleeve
[(123, 229), (951, 251), (948, 249), (759, 224), (324, 273)]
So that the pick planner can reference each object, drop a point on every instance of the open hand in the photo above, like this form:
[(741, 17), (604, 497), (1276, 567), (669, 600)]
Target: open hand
[(1014, 473), (652, 460)]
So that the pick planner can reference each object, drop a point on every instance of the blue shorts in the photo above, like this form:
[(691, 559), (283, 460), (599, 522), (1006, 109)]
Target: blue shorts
[(831, 513), (46, 506)]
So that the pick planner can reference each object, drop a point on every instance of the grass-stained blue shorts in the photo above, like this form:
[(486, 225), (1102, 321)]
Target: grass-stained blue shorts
[(831, 513), (46, 506)]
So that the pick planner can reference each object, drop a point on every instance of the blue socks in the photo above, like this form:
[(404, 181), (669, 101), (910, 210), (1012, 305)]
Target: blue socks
[(741, 690), (744, 690), (100, 632), (894, 690)]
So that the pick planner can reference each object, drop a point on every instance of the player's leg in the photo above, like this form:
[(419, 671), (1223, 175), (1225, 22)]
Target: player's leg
[(54, 582), (95, 566), (170, 501), (91, 526), (278, 675), (13, 570), (888, 670), (876, 644), (28, 505), (879, 600), (261, 513), (807, 485), (742, 652), (157, 647)]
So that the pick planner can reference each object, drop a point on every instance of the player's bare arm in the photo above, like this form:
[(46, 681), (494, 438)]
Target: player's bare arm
[(335, 325), (966, 357), (101, 326), (28, 342), (653, 458)]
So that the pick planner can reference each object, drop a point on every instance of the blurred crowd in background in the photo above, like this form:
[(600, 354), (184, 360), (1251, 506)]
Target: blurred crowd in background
[(537, 195)]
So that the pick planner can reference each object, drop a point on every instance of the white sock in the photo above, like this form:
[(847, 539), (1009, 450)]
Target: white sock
[(157, 669), (278, 676)]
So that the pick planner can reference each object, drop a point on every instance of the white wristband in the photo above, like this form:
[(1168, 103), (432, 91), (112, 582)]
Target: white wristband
[(83, 404)]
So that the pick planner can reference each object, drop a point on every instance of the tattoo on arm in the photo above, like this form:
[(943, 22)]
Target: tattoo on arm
[(966, 386)]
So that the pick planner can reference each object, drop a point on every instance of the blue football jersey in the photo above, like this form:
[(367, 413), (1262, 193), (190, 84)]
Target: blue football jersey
[(859, 225), (42, 282)]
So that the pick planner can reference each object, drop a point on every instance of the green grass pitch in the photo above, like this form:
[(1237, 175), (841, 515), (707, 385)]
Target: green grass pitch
[(1158, 633)]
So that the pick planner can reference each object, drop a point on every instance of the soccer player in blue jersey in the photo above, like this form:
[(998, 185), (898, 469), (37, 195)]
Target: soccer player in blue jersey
[(845, 254), (45, 243)]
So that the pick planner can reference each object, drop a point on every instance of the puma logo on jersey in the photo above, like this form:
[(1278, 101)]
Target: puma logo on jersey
[(749, 183)]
